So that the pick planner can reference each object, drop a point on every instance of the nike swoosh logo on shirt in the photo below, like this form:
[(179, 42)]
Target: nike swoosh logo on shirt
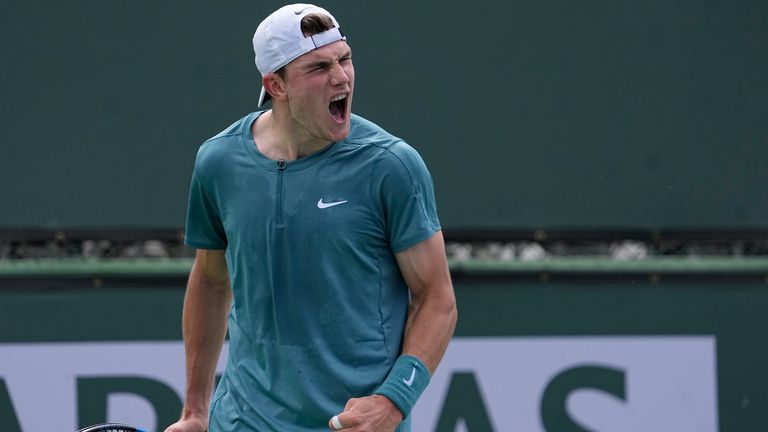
[(322, 205), (298, 12), (409, 381)]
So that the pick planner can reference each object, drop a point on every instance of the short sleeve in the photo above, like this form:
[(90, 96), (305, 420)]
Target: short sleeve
[(204, 229), (408, 197)]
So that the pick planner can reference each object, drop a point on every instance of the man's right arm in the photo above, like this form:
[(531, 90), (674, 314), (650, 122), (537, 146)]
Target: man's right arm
[(204, 325)]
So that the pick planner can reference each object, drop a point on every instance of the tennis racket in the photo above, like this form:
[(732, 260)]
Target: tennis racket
[(110, 427)]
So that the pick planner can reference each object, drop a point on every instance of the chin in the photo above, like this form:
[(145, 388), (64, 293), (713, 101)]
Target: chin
[(339, 131), (339, 136)]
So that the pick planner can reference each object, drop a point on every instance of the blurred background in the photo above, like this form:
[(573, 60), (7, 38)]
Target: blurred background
[(599, 168)]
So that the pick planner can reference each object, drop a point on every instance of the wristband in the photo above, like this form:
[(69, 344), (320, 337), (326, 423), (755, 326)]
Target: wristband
[(405, 383)]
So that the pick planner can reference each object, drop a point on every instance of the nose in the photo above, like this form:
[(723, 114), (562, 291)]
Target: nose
[(339, 75)]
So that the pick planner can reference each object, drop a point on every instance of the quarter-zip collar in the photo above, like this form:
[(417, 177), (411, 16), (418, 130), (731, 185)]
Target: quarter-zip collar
[(271, 164)]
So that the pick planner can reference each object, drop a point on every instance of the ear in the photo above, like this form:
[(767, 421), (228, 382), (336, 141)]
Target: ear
[(275, 86)]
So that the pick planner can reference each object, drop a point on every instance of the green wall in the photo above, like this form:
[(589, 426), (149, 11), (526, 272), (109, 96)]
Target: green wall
[(529, 113)]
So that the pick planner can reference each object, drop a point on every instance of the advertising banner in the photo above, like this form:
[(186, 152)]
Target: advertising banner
[(552, 384), (534, 384)]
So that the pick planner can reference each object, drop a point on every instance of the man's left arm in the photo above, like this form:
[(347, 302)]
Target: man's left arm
[(432, 310), (431, 321)]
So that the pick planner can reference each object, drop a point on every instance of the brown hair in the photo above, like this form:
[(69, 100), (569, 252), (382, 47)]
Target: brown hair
[(311, 25)]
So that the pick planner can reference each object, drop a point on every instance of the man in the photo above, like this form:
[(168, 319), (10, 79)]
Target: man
[(317, 235)]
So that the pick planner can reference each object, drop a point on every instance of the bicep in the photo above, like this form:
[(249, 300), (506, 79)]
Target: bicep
[(210, 267), (425, 268)]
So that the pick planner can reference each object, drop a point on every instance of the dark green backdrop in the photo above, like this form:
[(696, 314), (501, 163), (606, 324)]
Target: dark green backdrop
[(529, 113)]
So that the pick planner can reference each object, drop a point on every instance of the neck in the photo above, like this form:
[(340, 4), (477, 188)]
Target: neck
[(277, 136)]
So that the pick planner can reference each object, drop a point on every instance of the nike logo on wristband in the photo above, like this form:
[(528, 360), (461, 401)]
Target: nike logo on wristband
[(409, 381)]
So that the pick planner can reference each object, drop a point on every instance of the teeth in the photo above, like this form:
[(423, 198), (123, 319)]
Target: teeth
[(338, 98)]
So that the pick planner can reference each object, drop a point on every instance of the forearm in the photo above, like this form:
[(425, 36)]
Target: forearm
[(204, 326), (430, 326)]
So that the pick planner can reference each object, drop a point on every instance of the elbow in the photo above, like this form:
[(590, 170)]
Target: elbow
[(437, 305), (447, 308), (453, 313)]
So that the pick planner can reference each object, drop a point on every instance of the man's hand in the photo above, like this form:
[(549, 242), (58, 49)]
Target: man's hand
[(368, 414), (195, 424)]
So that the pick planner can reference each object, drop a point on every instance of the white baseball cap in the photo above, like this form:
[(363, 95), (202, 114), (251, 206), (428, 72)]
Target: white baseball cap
[(278, 39)]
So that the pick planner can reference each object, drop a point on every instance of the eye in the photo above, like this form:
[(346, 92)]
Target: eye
[(316, 68)]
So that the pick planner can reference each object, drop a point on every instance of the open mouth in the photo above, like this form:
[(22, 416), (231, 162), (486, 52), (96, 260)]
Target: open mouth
[(338, 107)]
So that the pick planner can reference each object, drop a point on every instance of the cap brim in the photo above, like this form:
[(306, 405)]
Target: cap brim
[(263, 97)]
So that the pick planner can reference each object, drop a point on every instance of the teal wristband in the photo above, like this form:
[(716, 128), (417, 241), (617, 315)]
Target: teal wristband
[(405, 383)]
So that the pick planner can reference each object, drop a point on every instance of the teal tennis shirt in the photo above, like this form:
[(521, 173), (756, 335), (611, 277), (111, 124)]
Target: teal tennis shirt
[(319, 304)]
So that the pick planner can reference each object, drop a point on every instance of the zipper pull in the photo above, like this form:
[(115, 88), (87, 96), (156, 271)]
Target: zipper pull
[(281, 164)]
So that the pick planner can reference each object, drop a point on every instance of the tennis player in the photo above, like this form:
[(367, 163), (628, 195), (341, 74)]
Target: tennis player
[(318, 248)]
